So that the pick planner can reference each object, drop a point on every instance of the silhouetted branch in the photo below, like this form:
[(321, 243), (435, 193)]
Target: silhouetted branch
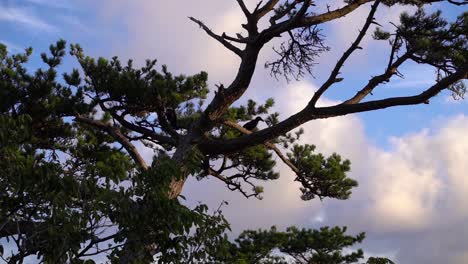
[(336, 70), (219, 38), (118, 136)]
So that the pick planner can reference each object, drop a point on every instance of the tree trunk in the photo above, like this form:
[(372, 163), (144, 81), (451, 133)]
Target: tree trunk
[(180, 157), (176, 187)]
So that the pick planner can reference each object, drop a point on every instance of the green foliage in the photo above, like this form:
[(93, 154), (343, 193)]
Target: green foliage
[(139, 91), (433, 40), (374, 260), (379, 34), (320, 176), (76, 191), (430, 39), (249, 111), (323, 246), (70, 188)]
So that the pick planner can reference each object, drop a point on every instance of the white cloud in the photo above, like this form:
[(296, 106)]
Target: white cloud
[(25, 18), (402, 194), (416, 186), (163, 31)]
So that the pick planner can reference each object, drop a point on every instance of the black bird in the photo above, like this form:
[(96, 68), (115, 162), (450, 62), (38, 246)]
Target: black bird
[(252, 124), (172, 117)]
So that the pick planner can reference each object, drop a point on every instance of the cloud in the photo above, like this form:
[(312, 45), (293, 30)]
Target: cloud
[(168, 35), (413, 193), (74, 23), (25, 18), (10, 46), (60, 4)]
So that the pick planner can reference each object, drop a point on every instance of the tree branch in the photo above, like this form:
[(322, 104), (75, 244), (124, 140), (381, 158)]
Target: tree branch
[(332, 78), (144, 131), (220, 39), (304, 21), (233, 186), (464, 2), (325, 17), (344, 109), (222, 101), (118, 136), (269, 145), (244, 8), (265, 9), (94, 242), (139, 129), (281, 13), (309, 113), (377, 80), (10, 228)]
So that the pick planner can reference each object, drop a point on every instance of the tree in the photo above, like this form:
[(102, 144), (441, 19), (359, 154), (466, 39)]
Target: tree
[(77, 185), (302, 246)]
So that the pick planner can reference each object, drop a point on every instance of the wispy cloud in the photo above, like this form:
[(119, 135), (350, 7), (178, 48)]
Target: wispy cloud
[(61, 4), (74, 22), (25, 18), (10, 46)]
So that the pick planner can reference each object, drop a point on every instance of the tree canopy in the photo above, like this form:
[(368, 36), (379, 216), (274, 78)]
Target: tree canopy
[(75, 184)]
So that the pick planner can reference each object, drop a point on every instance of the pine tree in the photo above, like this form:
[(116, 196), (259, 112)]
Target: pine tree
[(74, 183)]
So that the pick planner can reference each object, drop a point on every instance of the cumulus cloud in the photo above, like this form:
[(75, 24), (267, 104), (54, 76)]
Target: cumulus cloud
[(168, 35)]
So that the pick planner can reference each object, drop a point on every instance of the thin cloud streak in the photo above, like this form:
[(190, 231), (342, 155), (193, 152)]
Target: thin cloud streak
[(10, 46), (25, 18), (60, 4)]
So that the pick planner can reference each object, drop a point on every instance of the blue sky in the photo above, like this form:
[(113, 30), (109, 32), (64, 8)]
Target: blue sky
[(409, 160)]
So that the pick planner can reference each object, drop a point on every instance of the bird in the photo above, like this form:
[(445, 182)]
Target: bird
[(252, 124), (172, 117)]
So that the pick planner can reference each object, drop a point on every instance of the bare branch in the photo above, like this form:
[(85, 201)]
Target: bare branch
[(300, 20), (94, 242), (377, 80), (463, 2), (325, 17), (333, 75), (144, 131), (221, 102), (233, 186), (309, 113), (344, 109), (297, 55), (10, 228), (139, 129), (220, 39), (265, 9), (244, 8), (118, 136), (283, 12), (242, 40)]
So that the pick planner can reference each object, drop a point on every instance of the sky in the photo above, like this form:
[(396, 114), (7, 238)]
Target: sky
[(410, 162)]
